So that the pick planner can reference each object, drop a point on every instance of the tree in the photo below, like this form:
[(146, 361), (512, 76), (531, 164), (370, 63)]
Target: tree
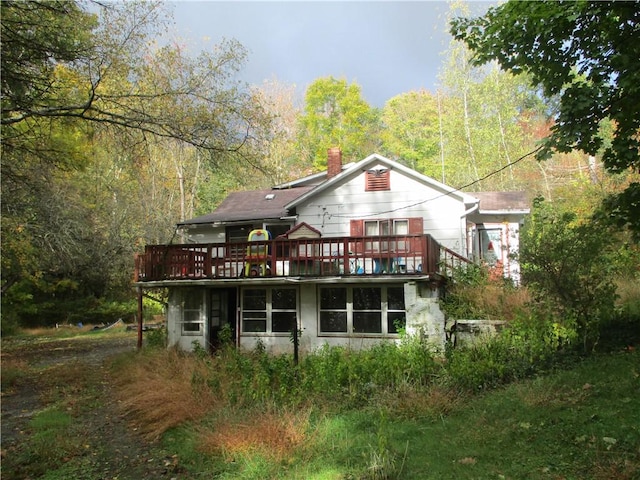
[(108, 74), (83, 115), (279, 146), (586, 53), (336, 115), (410, 131), (570, 262)]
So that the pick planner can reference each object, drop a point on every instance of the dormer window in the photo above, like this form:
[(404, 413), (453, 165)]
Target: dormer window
[(377, 180)]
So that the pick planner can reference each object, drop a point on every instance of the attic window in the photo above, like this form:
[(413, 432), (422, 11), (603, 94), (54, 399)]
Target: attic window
[(377, 180), (270, 196)]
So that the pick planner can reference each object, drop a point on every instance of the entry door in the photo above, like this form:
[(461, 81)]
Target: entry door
[(221, 312)]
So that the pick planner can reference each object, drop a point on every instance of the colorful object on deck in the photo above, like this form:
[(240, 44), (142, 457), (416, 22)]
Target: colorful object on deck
[(256, 259)]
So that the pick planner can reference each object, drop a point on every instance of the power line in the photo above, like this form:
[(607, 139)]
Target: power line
[(459, 189)]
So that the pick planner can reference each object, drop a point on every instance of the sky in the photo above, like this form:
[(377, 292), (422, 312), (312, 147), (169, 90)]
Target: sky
[(386, 47)]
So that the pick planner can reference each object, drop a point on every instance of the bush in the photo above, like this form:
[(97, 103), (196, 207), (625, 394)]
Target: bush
[(157, 338), (569, 263), (527, 346), (474, 294)]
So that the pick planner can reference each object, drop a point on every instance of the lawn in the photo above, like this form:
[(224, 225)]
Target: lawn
[(579, 423)]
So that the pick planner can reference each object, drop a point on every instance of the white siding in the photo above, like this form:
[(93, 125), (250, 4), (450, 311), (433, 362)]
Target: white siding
[(331, 211), (175, 316)]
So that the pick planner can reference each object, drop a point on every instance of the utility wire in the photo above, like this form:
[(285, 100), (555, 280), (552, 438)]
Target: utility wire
[(459, 189)]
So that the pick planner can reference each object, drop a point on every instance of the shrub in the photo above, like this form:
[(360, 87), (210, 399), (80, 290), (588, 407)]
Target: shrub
[(474, 294), (527, 346), (567, 262), (157, 338)]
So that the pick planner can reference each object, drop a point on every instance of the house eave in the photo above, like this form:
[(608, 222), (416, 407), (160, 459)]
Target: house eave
[(251, 281), (358, 167), (504, 212)]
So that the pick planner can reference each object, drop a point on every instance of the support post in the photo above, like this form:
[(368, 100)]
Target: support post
[(139, 317), (295, 342)]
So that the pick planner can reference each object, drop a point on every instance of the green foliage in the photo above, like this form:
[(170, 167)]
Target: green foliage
[(157, 338), (225, 335), (585, 53), (527, 346), (384, 462), (410, 131), (569, 264), (88, 171), (474, 294), (487, 120), (329, 376), (535, 425), (336, 115)]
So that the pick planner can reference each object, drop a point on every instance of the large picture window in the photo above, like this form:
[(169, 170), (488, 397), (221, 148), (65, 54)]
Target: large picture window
[(362, 310), (269, 310)]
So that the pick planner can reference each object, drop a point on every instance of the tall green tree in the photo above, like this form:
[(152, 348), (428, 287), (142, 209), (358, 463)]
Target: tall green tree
[(410, 131), (485, 117), (336, 115), (586, 53)]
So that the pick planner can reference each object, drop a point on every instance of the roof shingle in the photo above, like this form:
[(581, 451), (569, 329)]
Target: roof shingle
[(251, 205)]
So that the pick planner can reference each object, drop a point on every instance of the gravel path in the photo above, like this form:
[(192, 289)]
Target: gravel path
[(112, 449)]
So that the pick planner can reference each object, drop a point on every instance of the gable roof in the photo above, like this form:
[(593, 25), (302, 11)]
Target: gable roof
[(502, 202), (251, 205), (303, 230), (357, 168), (278, 202), (313, 179)]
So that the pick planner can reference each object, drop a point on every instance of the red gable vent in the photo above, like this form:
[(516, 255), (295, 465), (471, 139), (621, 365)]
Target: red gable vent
[(377, 180)]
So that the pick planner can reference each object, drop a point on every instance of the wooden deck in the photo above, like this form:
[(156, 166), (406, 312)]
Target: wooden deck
[(318, 257)]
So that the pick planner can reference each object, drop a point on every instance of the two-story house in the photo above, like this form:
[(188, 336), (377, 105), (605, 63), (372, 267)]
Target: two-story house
[(351, 256)]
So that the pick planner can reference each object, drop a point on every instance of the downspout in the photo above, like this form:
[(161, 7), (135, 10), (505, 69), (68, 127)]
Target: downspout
[(463, 230)]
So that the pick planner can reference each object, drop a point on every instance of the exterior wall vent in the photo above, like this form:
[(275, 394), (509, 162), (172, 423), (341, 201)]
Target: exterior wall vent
[(377, 180)]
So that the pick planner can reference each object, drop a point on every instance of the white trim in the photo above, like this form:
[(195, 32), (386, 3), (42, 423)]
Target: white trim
[(357, 169)]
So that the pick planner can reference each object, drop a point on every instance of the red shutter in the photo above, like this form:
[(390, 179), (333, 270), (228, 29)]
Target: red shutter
[(357, 228), (416, 227)]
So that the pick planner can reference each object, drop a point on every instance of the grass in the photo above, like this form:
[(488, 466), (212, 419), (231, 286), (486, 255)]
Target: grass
[(579, 423), (53, 445)]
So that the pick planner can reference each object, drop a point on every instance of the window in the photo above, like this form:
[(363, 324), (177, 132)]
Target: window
[(362, 310), (192, 323), (386, 227), (333, 310), (266, 310), (377, 180), (490, 243), (238, 233)]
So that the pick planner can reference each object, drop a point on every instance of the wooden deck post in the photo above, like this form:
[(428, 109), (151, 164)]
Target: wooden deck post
[(139, 318)]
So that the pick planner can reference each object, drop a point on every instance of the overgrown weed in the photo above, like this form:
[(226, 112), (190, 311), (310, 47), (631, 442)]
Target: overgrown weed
[(274, 434), (475, 294), (433, 402), (162, 389)]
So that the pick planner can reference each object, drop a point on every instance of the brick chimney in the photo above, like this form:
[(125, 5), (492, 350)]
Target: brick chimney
[(334, 162)]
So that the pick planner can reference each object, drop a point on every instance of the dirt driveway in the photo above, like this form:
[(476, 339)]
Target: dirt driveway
[(72, 375)]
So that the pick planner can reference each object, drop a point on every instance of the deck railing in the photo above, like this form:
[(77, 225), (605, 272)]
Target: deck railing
[(318, 257)]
